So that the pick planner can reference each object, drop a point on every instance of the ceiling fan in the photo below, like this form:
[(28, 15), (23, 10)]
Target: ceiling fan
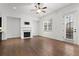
[(39, 8)]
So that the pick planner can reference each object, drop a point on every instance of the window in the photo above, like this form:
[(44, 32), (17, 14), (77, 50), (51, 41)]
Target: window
[(48, 25)]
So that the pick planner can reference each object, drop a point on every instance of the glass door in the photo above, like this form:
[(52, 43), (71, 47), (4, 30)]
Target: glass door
[(71, 27)]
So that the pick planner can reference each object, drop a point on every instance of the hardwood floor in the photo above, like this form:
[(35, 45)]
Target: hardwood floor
[(37, 46)]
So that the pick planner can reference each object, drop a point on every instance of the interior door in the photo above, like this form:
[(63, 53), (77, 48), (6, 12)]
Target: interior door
[(71, 27)]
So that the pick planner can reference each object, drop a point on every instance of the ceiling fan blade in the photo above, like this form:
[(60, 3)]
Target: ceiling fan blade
[(44, 11), (44, 8), (35, 6)]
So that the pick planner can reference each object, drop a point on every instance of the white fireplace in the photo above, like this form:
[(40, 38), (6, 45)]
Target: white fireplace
[(26, 32)]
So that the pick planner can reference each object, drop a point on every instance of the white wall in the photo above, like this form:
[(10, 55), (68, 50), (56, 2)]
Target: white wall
[(58, 32), (57, 27), (13, 27), (35, 28)]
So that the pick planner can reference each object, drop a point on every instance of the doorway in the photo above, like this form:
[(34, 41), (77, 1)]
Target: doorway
[(71, 27), (13, 27)]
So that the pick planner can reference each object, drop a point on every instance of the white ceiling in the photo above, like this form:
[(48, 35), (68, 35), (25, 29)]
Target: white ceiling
[(27, 8)]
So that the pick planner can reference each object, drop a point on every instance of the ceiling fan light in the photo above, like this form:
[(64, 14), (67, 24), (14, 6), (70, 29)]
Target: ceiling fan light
[(38, 10)]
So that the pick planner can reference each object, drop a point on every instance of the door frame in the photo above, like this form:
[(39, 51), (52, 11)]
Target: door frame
[(67, 14), (19, 26)]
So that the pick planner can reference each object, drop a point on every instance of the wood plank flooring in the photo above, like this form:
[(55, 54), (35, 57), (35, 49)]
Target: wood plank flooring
[(37, 46)]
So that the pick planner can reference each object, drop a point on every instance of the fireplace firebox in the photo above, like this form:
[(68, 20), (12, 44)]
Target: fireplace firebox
[(26, 34)]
